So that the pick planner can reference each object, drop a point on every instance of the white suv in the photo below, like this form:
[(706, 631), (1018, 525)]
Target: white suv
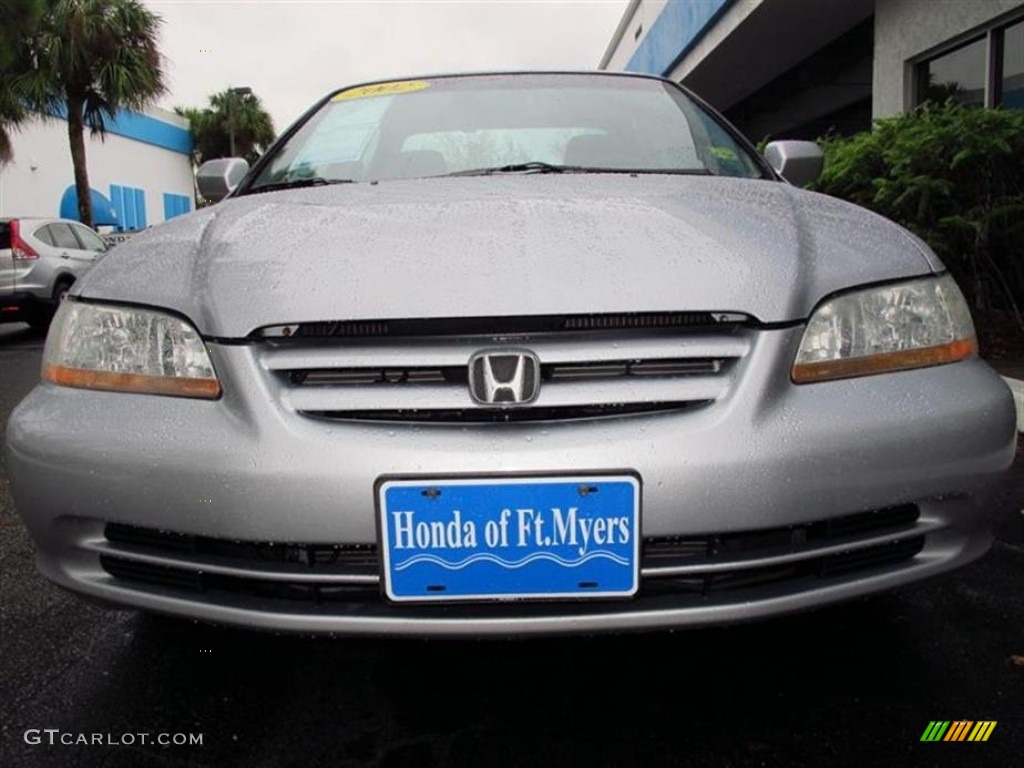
[(39, 261)]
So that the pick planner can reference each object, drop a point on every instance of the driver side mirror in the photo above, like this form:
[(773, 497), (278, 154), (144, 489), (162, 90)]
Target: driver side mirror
[(217, 179), (798, 162)]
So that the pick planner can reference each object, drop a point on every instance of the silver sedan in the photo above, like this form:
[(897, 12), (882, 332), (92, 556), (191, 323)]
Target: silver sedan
[(510, 354)]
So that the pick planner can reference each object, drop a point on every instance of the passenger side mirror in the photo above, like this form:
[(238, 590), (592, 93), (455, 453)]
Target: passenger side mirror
[(798, 162), (217, 179)]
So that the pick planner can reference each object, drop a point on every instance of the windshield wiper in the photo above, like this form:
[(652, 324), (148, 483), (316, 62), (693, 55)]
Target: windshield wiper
[(312, 181), (532, 167), (539, 167)]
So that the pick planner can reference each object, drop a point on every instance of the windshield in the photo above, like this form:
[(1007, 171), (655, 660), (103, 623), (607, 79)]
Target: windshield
[(461, 125)]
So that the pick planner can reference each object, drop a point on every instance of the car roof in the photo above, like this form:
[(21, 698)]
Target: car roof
[(34, 219)]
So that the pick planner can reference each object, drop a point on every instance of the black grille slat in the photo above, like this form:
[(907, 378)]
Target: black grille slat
[(482, 415), (148, 537), (150, 573), (871, 557), (852, 525), (669, 548), (361, 377)]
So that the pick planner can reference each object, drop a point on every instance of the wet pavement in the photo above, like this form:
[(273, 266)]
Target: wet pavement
[(851, 685)]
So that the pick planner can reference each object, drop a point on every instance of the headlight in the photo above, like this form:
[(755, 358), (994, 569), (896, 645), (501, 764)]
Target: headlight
[(890, 328), (127, 350)]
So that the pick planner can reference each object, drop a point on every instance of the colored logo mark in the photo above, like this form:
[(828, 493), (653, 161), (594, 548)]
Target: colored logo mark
[(958, 730)]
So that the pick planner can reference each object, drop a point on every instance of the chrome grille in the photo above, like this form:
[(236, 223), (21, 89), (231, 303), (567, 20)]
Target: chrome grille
[(584, 373)]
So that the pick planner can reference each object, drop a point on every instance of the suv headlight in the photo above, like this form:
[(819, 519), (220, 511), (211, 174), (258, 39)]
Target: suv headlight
[(889, 328), (124, 349)]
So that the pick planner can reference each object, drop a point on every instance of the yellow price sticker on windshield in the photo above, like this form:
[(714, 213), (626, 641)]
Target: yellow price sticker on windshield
[(724, 153), (382, 89)]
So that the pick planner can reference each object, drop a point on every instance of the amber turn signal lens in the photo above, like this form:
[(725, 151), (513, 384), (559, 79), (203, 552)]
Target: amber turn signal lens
[(806, 373), (173, 386)]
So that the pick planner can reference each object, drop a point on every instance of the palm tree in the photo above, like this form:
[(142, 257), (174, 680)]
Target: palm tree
[(91, 58), (198, 120), (212, 127), (19, 20)]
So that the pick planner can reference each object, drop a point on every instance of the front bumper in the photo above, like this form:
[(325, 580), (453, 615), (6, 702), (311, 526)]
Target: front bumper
[(768, 457)]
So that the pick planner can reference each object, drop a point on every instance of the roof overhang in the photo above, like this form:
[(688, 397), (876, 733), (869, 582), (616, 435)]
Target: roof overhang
[(751, 44)]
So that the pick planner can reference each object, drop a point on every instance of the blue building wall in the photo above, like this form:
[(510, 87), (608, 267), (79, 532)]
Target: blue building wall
[(144, 128), (679, 26)]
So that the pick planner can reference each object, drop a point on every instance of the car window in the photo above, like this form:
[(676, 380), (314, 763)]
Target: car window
[(461, 152), (89, 240), (721, 155), (63, 237), (43, 234), (342, 136), (5, 235), (435, 127)]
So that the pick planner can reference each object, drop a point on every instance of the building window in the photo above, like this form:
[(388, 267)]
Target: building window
[(958, 75), (130, 204), (985, 71), (1013, 67), (175, 205)]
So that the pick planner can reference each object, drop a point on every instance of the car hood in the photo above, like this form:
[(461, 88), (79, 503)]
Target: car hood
[(506, 246)]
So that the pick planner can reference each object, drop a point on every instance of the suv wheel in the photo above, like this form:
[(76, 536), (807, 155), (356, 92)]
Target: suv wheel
[(60, 291)]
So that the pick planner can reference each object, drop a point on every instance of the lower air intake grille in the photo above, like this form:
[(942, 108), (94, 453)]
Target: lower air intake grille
[(818, 567), (351, 557), (698, 565)]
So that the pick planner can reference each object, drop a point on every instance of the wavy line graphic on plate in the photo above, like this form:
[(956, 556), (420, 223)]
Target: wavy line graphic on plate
[(487, 556)]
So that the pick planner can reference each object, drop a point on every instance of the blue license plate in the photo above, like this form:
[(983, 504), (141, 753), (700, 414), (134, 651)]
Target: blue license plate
[(510, 538)]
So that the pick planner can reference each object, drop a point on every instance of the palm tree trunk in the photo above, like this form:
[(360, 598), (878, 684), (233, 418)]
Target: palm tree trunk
[(76, 138)]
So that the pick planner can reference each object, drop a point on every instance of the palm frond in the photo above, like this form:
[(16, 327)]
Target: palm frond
[(87, 59)]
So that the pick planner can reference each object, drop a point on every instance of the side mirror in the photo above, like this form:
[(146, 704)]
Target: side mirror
[(798, 162), (217, 179)]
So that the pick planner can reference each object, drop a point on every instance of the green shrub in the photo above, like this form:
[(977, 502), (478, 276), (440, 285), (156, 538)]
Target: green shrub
[(954, 176)]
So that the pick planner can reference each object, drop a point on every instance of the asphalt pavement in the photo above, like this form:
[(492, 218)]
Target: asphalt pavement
[(852, 685)]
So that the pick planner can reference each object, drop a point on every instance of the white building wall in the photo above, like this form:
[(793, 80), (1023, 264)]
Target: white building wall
[(33, 184), (905, 29)]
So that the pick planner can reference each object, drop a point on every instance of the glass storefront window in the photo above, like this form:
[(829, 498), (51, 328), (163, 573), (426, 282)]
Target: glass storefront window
[(1013, 66), (959, 74)]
